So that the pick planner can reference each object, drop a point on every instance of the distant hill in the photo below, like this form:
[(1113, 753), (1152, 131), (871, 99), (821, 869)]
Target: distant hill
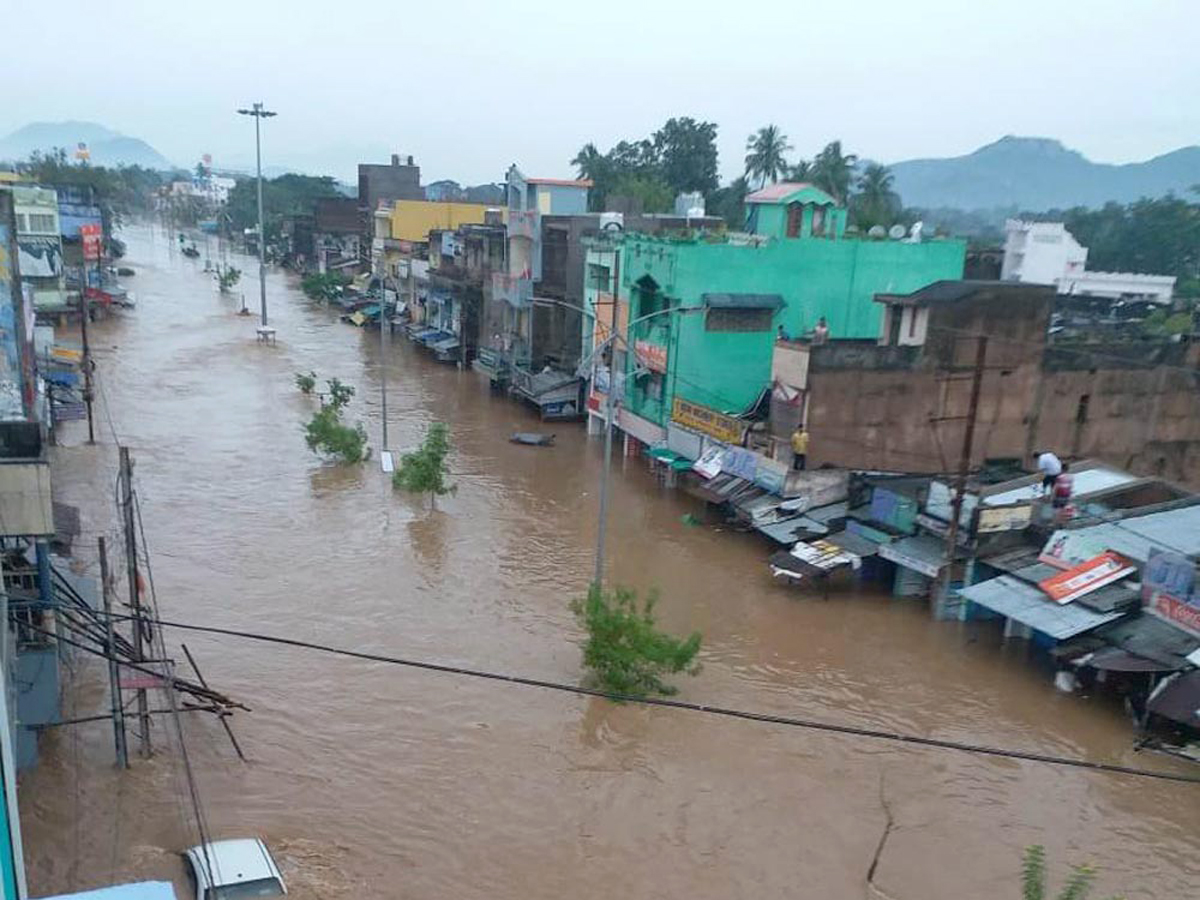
[(1038, 174), (108, 147)]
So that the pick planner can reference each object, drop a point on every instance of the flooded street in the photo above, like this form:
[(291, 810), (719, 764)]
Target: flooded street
[(377, 781)]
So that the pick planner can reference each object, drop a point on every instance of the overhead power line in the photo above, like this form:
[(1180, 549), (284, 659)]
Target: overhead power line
[(722, 711)]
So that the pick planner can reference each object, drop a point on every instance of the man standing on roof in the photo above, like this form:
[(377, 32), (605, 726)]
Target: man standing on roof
[(821, 332), (799, 448), (1051, 467)]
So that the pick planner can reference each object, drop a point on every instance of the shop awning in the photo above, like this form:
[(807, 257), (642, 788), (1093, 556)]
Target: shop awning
[(1113, 659), (742, 301), (1153, 639), (854, 543), (812, 559), (922, 553), (1178, 699), (444, 345), (142, 890), (1025, 603)]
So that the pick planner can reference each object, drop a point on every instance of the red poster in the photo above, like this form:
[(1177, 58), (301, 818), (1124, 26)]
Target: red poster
[(90, 235), (1087, 577)]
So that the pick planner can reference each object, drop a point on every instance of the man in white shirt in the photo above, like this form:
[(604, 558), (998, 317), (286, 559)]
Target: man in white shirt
[(1051, 467)]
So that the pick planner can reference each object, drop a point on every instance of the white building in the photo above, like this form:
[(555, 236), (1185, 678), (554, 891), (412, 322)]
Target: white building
[(1046, 253)]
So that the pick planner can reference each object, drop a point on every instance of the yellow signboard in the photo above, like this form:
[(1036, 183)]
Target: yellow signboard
[(708, 421)]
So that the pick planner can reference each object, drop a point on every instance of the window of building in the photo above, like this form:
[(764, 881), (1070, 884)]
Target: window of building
[(41, 223), (795, 214), (22, 222), (818, 221), (1081, 411), (738, 320), (912, 322), (598, 277), (652, 386)]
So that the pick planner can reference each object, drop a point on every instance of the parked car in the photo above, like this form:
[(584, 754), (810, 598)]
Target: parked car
[(240, 869)]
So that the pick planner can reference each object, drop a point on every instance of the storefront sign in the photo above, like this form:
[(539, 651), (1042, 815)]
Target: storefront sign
[(941, 528), (652, 356), (1169, 589), (897, 555), (741, 463), (892, 509), (708, 421), (90, 237), (770, 475), (993, 519), (1066, 549), (1087, 577), (709, 464)]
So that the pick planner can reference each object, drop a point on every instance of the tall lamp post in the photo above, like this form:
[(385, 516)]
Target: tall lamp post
[(259, 114)]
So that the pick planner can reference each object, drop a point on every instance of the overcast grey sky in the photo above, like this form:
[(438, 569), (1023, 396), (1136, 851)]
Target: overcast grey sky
[(468, 87)]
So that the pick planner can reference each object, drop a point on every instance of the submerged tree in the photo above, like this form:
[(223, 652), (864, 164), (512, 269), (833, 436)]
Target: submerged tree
[(306, 381), (326, 433), (625, 652), (425, 470), (1033, 878)]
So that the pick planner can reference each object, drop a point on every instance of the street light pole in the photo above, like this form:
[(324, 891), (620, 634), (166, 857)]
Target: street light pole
[(259, 114)]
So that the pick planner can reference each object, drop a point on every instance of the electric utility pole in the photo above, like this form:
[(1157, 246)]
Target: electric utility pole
[(964, 464), (135, 603), (259, 114), (609, 411), (114, 676)]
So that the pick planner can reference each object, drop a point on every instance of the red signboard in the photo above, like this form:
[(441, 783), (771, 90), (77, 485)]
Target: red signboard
[(652, 356), (91, 238), (1087, 577), (1185, 615)]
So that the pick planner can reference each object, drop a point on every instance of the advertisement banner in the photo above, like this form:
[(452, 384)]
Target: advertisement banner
[(652, 356), (709, 464), (741, 463), (993, 519), (770, 475), (1066, 549), (708, 421), (1087, 577), (90, 236), (1169, 590)]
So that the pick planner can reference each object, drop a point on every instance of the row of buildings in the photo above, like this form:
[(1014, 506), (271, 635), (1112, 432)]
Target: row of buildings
[(706, 350)]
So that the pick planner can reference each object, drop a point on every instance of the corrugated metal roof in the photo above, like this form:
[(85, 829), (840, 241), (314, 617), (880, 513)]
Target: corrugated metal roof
[(782, 190), (1024, 603), (1152, 638), (142, 890), (1173, 529), (1083, 482)]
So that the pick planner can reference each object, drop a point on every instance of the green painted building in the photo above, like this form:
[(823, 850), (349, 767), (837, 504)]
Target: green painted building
[(731, 293)]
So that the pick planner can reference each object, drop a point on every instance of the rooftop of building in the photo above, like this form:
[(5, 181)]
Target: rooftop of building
[(561, 182), (954, 291), (791, 192)]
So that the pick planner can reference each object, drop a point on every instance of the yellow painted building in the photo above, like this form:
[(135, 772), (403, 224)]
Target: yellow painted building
[(412, 220)]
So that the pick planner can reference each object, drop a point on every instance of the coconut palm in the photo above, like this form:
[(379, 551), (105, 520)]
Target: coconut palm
[(833, 170), (875, 203), (801, 171), (765, 151)]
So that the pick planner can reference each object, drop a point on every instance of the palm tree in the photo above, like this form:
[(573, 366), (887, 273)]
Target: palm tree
[(832, 171), (801, 171), (765, 151), (589, 161), (875, 203)]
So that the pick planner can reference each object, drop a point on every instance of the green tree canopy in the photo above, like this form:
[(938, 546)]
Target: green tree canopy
[(287, 195), (687, 150), (624, 651), (875, 203), (766, 152), (425, 470), (833, 171)]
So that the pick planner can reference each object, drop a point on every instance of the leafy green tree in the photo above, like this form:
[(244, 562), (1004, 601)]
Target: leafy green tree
[(339, 393), (832, 171), (1033, 878), (287, 195), (306, 382), (687, 150), (324, 287), (766, 150), (1159, 236), (425, 470), (875, 203), (729, 202), (227, 278), (325, 433), (624, 651), (653, 195)]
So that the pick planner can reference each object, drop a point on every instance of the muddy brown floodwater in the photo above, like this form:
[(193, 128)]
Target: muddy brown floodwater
[(376, 781)]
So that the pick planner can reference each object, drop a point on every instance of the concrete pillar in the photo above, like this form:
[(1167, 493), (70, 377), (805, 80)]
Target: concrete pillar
[(45, 591)]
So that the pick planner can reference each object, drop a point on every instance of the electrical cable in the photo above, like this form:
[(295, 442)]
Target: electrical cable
[(721, 711)]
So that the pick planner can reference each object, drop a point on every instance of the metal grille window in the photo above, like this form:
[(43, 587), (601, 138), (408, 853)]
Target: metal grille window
[(738, 320), (41, 222)]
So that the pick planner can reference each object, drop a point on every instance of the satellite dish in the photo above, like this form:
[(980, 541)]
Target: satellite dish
[(876, 231), (896, 232), (914, 233)]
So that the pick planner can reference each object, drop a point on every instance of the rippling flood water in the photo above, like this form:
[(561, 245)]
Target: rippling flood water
[(376, 781)]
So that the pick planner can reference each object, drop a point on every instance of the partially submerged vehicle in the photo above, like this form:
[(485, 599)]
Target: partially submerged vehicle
[(234, 870)]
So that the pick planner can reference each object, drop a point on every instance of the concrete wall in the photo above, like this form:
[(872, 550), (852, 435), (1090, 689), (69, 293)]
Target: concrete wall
[(412, 220), (388, 183), (903, 408)]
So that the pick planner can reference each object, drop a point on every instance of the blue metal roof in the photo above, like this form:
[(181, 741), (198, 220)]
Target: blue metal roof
[(1135, 537), (142, 890), (1026, 604)]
